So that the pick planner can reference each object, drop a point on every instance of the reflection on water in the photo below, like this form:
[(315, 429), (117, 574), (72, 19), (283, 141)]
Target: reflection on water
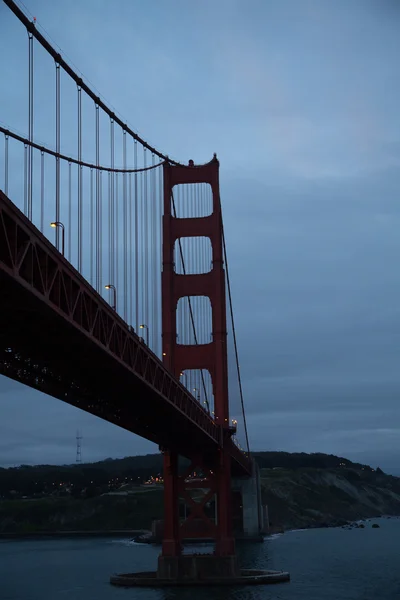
[(325, 564)]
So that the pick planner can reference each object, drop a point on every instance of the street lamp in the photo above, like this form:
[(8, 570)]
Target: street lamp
[(112, 287), (206, 402), (144, 326), (56, 224)]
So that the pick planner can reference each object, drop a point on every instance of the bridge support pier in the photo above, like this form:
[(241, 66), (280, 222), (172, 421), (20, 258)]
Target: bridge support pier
[(172, 564), (171, 546), (252, 509), (191, 567)]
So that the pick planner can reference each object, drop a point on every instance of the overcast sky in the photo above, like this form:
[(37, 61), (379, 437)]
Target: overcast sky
[(300, 100)]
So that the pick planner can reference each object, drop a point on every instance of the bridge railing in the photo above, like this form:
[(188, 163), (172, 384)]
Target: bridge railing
[(27, 256), (100, 184)]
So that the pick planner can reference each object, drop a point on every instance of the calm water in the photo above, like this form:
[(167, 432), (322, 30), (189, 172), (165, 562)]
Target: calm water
[(325, 564)]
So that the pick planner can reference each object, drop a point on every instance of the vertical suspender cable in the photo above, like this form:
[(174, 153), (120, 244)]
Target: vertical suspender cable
[(130, 244), (205, 264), (206, 267), (6, 165), (141, 250), (135, 159), (97, 249), (80, 183), (145, 241), (69, 212), (112, 215), (42, 191), (91, 228), (125, 227), (182, 301), (109, 213), (151, 254), (25, 178), (188, 255), (30, 128), (201, 247), (100, 240), (160, 215), (58, 152), (116, 223), (186, 305), (154, 254)]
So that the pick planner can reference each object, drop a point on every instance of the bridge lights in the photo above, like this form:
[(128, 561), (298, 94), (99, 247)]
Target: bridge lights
[(109, 286), (144, 326), (56, 224)]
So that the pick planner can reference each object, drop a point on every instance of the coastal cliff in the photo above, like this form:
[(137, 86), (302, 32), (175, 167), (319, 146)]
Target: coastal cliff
[(301, 490), (324, 497)]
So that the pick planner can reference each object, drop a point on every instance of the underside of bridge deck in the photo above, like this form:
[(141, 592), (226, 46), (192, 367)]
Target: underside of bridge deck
[(57, 335)]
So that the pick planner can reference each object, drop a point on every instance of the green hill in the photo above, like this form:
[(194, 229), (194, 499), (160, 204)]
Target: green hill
[(301, 490)]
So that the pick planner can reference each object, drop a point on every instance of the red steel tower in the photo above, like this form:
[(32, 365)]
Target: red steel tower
[(211, 356)]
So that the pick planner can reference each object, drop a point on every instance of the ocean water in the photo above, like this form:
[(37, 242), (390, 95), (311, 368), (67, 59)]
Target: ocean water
[(325, 564)]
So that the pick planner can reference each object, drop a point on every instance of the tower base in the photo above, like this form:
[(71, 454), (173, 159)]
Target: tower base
[(197, 567), (199, 570), (246, 577)]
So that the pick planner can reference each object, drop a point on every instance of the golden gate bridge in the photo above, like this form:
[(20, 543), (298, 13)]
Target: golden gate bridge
[(123, 313)]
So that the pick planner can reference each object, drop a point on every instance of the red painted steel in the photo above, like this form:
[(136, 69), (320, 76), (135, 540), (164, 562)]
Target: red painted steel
[(59, 336), (212, 356), (171, 539)]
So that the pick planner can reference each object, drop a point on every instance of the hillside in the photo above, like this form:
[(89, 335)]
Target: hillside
[(28, 480), (102, 513), (301, 490), (309, 497)]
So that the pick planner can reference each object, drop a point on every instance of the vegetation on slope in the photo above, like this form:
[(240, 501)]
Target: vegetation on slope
[(301, 490), (103, 513), (309, 497)]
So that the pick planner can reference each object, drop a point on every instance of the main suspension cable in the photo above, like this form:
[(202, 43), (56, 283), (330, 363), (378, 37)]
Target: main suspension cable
[(58, 155), (32, 29)]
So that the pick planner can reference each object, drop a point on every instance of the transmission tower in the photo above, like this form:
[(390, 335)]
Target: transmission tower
[(78, 448)]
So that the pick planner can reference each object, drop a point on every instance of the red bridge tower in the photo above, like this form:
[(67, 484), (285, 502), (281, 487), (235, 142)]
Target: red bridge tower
[(211, 357)]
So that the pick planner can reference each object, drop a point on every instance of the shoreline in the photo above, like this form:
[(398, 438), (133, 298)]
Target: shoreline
[(137, 533), (344, 525), (121, 533)]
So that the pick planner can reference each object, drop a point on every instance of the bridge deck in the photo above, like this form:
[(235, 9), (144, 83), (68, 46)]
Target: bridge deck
[(59, 336)]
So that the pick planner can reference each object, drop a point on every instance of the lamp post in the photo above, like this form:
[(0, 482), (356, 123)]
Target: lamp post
[(56, 224), (206, 402), (144, 326), (109, 286)]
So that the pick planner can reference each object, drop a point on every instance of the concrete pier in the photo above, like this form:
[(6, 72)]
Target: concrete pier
[(193, 567), (251, 523), (253, 513), (206, 578)]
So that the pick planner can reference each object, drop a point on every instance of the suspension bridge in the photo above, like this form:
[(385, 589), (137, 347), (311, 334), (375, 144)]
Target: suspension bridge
[(115, 285)]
